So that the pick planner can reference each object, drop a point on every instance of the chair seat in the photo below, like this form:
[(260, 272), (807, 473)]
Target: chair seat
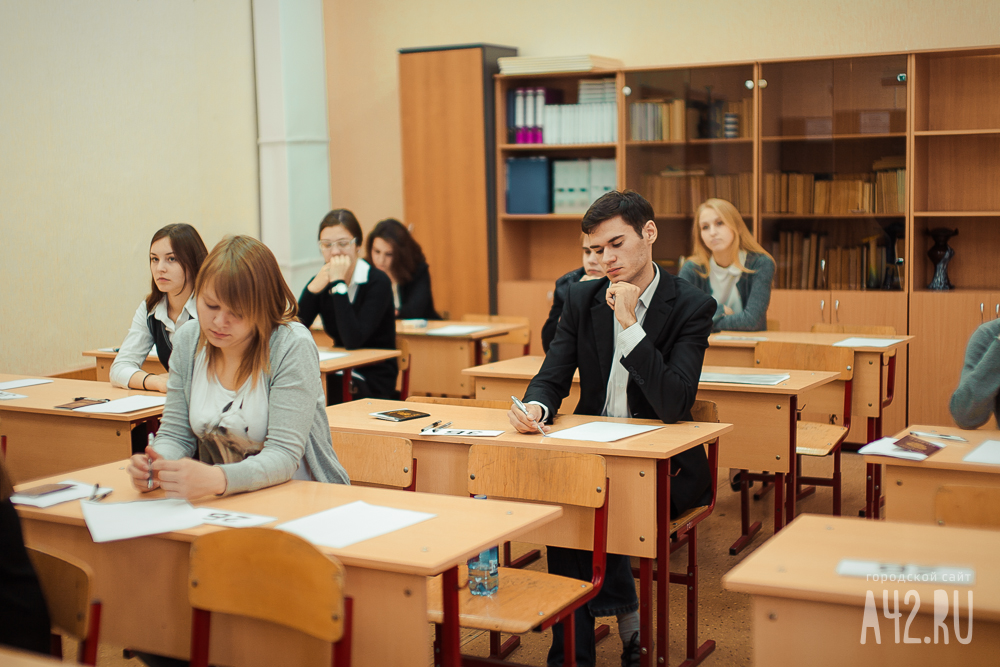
[(524, 600), (690, 515), (818, 439)]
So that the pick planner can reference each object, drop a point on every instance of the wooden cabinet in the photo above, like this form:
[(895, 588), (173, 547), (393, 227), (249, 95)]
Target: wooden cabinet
[(799, 310)]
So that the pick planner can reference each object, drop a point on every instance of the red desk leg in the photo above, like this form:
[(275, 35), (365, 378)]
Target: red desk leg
[(478, 344), (793, 475), (662, 567), (450, 646), (345, 394), (645, 609)]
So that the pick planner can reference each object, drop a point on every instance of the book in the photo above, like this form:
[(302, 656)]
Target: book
[(399, 415)]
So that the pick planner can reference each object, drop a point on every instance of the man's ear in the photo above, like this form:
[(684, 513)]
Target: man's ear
[(649, 231)]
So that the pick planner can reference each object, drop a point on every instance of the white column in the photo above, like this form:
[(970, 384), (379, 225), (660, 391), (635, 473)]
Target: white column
[(292, 135)]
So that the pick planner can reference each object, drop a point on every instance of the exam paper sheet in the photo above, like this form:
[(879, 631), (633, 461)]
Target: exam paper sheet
[(867, 342), (27, 382), (108, 522), (327, 356), (352, 523), (602, 431), (457, 329), (123, 405), (760, 379), (988, 452)]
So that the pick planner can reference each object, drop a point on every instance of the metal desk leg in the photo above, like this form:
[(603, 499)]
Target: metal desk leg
[(662, 567), (450, 646), (793, 474), (345, 394)]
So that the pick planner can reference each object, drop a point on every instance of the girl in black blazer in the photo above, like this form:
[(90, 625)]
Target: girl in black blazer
[(354, 301), (392, 249)]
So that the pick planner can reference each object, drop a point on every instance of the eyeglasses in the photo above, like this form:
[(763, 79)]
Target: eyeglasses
[(342, 244)]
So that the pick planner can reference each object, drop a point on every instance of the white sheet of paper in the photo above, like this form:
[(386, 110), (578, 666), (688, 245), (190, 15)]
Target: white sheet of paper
[(120, 521), (107, 349), (987, 452), (27, 382), (327, 356), (867, 342), (943, 574), (79, 490), (352, 523), (123, 405), (218, 517), (458, 431), (763, 379), (753, 338), (939, 436), (457, 329), (602, 431), (8, 396), (887, 447)]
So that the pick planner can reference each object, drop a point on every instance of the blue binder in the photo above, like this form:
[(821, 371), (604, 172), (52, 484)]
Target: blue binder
[(529, 185)]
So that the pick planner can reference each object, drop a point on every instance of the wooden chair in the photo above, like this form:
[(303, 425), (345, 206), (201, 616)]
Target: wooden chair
[(272, 576), (376, 460), (467, 402), (814, 438), (517, 337), (967, 506), (403, 345), (67, 585), (529, 600)]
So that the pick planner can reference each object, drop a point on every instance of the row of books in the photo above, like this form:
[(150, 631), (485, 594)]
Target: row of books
[(681, 192), (538, 185), (679, 120), (804, 261), (536, 115), (839, 194)]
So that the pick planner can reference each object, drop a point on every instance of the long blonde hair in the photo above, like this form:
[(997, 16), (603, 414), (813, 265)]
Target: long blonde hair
[(246, 279), (743, 240)]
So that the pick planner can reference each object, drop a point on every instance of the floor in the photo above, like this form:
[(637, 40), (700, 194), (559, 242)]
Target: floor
[(724, 616)]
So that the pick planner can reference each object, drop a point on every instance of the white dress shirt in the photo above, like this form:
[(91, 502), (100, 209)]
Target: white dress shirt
[(360, 276), (139, 341)]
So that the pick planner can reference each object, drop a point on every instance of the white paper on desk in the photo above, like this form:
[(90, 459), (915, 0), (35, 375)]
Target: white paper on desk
[(327, 356), (352, 523), (123, 405), (602, 431), (107, 349), (218, 517), (939, 436), (79, 490), (457, 329), (753, 338), (987, 452), (763, 379), (867, 342), (8, 396), (887, 447), (457, 431), (27, 382), (120, 521), (909, 572)]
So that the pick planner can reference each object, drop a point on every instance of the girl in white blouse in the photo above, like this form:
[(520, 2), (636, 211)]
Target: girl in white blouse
[(175, 256)]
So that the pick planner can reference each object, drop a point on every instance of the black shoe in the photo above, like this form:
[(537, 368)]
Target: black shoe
[(631, 652), (735, 484)]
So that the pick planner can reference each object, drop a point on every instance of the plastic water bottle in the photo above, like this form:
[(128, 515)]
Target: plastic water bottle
[(484, 570)]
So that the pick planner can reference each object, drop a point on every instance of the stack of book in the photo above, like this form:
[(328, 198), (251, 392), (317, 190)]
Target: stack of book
[(576, 184), (677, 120), (541, 64), (681, 191), (536, 115), (839, 194), (580, 123), (596, 91), (806, 260), (658, 120)]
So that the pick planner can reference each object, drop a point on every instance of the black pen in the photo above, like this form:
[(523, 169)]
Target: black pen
[(98, 400)]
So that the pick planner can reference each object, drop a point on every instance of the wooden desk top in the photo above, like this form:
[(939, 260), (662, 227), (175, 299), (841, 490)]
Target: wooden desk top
[(11, 657), (800, 561), (525, 368), (801, 337), (462, 527), (493, 329), (354, 358), (949, 458), (660, 444), (112, 353), (42, 398)]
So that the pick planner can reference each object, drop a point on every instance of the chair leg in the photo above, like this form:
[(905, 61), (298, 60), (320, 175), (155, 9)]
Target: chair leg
[(695, 654), (201, 626), (87, 653), (765, 488), (342, 649), (56, 645), (801, 491), (569, 641), (747, 530), (500, 649), (779, 500)]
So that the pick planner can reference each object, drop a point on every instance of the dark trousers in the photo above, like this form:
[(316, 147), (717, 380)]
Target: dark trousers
[(617, 596)]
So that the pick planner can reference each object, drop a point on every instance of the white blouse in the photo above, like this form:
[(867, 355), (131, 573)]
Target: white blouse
[(139, 341), (723, 283)]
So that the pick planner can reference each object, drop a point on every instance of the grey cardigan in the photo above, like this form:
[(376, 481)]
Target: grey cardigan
[(976, 397), (296, 415), (754, 289)]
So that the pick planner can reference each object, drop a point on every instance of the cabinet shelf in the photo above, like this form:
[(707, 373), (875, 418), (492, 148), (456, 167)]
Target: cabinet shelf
[(828, 216), (956, 214), (523, 148), (694, 142), (952, 133), (544, 217), (835, 137)]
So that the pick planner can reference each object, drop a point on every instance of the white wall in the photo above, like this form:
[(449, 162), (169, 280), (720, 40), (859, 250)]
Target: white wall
[(116, 117)]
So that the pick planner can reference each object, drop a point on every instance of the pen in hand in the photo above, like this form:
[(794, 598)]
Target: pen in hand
[(523, 408), (149, 462)]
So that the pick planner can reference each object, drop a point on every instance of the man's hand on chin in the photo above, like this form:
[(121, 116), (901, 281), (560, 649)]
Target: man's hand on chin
[(623, 298)]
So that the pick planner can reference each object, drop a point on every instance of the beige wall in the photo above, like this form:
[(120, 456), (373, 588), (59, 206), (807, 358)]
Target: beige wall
[(116, 118), (362, 39)]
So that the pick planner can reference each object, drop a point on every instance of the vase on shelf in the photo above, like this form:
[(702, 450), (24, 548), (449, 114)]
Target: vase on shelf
[(940, 254)]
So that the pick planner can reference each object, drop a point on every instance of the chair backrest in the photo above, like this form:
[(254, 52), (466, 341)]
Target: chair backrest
[(805, 357), (518, 336), (705, 411), (467, 402), (870, 329), (520, 473), (968, 506), (774, 325), (66, 584), (403, 345), (378, 460), (269, 575)]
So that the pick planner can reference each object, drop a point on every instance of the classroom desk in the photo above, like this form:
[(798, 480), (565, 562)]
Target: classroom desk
[(638, 519), (44, 440), (806, 614), (436, 362), (142, 582), (354, 359), (763, 418), (911, 486), (104, 358)]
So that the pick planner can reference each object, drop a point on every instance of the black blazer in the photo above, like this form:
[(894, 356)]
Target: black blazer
[(664, 368), (416, 301), (367, 323), (558, 299)]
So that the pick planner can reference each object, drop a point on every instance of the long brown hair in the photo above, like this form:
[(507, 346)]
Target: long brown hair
[(246, 279), (407, 255), (188, 249), (743, 240)]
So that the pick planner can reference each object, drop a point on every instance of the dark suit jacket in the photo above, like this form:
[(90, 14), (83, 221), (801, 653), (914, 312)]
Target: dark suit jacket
[(558, 299), (664, 368), (416, 301)]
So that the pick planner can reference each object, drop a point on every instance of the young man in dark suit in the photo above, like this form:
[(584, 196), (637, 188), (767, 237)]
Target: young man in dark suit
[(638, 339)]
